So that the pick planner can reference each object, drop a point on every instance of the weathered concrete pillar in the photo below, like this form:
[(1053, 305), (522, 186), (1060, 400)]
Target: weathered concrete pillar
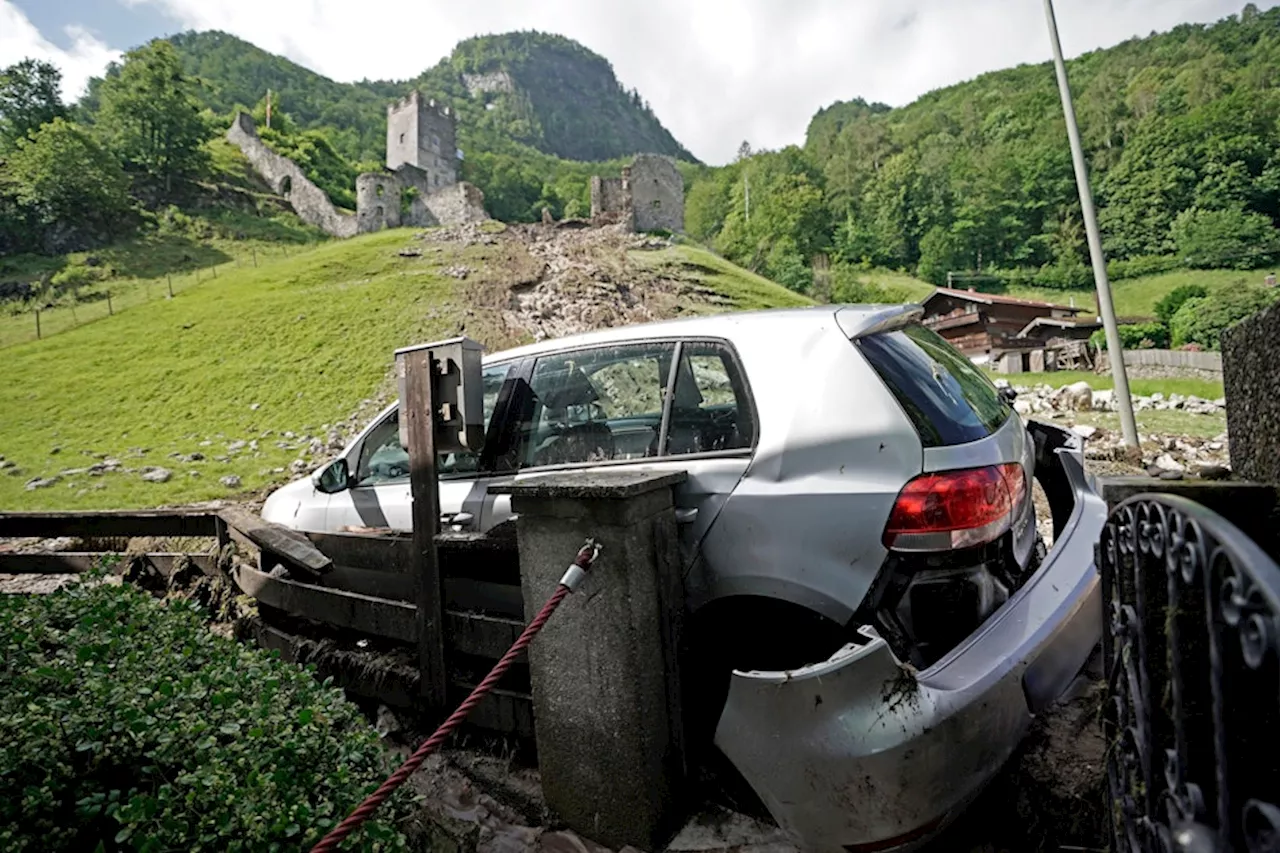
[(606, 686)]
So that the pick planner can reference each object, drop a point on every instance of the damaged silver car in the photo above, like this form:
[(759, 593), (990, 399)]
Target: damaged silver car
[(874, 618)]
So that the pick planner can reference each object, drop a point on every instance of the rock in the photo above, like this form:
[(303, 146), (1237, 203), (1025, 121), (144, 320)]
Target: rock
[(231, 481), (1104, 401), (195, 457), (1076, 396), (156, 475), (253, 407), (236, 445), (1022, 407), (1084, 431), (1165, 462), (41, 483), (54, 451), (298, 466), (206, 443), (6, 463), (1210, 471), (1170, 475)]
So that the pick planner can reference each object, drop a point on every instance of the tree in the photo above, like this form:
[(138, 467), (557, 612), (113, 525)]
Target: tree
[(1176, 298), (1224, 238), (941, 252), (151, 115), (1201, 320), (29, 97), (71, 190)]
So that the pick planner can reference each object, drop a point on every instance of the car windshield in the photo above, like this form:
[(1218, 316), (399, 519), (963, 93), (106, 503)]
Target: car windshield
[(947, 398)]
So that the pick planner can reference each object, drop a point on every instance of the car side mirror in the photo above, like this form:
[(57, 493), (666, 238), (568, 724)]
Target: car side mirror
[(1008, 394), (332, 478)]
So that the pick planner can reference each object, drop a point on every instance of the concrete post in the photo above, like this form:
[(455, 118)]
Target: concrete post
[(604, 672)]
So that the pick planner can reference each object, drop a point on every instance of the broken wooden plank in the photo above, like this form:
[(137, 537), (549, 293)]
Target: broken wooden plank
[(497, 599), (398, 587), (480, 635), (109, 523), (379, 553), (289, 545), (78, 562), (366, 613)]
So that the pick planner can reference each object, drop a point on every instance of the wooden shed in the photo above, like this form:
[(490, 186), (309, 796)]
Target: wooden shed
[(985, 326)]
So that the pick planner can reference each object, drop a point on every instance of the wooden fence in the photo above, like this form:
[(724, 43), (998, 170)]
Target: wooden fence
[(343, 601)]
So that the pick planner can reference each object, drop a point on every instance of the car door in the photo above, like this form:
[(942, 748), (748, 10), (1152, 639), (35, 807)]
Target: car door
[(624, 404), (379, 495)]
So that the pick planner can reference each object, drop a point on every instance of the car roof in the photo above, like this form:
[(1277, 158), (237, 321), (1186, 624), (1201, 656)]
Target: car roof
[(728, 326)]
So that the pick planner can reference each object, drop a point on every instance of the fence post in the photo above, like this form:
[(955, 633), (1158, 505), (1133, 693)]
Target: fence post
[(169, 276), (110, 311), (215, 270), (75, 321), (37, 324), (255, 256)]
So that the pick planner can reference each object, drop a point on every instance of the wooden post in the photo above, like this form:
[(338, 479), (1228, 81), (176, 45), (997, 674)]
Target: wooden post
[(109, 309), (416, 408), (215, 270), (75, 321), (169, 276), (37, 324), (255, 256)]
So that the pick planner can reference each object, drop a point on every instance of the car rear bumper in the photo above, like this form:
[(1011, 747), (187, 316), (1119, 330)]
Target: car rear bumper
[(859, 753)]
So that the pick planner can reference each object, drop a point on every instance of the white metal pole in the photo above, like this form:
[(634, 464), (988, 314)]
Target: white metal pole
[(1105, 306)]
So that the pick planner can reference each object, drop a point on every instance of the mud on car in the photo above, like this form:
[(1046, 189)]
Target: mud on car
[(874, 618)]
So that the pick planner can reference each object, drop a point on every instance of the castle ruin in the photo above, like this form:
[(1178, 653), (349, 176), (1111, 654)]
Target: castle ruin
[(419, 188), (648, 197)]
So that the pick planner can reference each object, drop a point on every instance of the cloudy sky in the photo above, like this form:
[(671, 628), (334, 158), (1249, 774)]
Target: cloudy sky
[(716, 71)]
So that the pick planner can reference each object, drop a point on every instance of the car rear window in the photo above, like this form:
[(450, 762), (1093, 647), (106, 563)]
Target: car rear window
[(947, 399)]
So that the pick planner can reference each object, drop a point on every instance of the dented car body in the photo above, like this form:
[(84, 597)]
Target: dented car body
[(873, 616)]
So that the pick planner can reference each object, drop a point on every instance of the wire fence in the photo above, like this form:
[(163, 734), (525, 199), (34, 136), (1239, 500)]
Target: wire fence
[(25, 322)]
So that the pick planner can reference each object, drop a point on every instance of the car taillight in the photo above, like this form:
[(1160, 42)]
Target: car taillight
[(955, 509)]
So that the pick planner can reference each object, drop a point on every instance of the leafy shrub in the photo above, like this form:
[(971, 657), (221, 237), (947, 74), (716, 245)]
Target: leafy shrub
[(126, 725), (1173, 300), (1201, 320), (1141, 265), (1135, 336), (74, 277), (1212, 239)]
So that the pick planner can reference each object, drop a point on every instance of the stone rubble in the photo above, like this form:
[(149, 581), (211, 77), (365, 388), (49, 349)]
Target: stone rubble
[(1165, 456)]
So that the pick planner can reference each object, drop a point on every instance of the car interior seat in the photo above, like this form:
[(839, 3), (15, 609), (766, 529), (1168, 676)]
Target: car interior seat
[(589, 441)]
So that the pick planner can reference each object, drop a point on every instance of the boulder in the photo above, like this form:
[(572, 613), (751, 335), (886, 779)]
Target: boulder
[(156, 475)]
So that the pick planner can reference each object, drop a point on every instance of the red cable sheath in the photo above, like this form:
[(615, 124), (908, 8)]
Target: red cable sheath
[(330, 842)]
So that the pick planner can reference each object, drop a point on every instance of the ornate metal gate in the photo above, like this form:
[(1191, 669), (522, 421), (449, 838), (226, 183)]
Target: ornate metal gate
[(1192, 647)]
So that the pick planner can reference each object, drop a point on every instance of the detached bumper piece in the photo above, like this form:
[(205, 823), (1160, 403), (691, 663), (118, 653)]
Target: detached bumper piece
[(860, 753)]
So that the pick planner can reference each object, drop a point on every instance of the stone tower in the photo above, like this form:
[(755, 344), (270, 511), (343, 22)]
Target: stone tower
[(423, 134)]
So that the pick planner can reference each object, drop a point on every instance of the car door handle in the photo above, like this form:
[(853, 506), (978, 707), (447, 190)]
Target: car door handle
[(686, 515), (456, 518)]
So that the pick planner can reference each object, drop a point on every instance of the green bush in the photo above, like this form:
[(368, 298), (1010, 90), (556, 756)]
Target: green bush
[(1136, 336), (125, 724), (1173, 300), (1201, 320), (1213, 239), (1141, 265)]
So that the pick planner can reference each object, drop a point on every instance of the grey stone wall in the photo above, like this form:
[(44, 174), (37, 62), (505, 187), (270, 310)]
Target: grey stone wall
[(609, 198), (1250, 355), (423, 134), (377, 201), (285, 177), (657, 193), (456, 204)]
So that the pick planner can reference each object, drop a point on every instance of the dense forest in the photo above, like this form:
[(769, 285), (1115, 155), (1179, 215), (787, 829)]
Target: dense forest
[(1182, 131)]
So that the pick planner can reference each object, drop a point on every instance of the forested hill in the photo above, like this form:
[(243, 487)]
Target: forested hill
[(544, 91), (1182, 131)]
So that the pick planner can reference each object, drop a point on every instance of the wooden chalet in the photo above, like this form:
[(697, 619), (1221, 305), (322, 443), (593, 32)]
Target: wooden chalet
[(1016, 334)]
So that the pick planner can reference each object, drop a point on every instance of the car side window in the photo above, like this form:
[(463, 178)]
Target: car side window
[(384, 460), (710, 410), (596, 405)]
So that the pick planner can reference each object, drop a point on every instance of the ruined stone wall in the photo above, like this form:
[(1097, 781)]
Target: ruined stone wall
[(423, 134), (377, 201), (657, 193), (456, 204), (610, 199), (288, 180), (1250, 353), (489, 81)]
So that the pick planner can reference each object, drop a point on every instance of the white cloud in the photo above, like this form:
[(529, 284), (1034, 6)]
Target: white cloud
[(86, 57), (715, 71)]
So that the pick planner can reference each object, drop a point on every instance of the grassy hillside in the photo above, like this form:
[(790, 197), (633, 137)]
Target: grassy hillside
[(267, 356)]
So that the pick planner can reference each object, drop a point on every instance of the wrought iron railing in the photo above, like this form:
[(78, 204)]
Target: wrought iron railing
[(1192, 648)]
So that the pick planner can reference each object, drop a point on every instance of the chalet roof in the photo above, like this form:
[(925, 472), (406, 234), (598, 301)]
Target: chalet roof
[(996, 299), (1060, 323)]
